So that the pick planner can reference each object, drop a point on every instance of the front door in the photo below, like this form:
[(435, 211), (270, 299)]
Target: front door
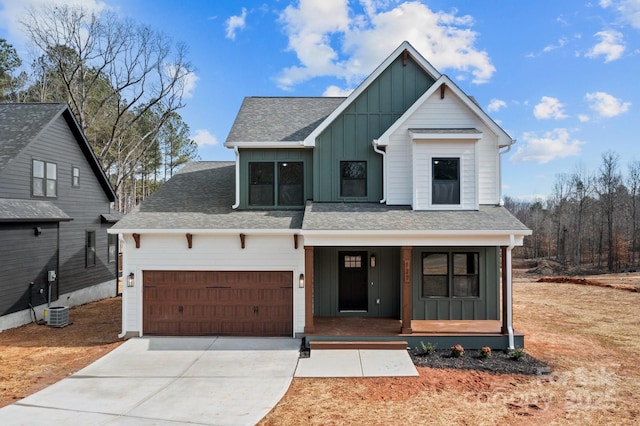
[(353, 281)]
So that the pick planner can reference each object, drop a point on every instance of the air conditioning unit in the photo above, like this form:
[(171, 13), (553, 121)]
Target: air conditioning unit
[(57, 316)]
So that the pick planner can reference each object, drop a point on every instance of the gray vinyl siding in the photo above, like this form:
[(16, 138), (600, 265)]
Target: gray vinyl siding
[(385, 278), (485, 307), (274, 155), (26, 258), (85, 203), (349, 136)]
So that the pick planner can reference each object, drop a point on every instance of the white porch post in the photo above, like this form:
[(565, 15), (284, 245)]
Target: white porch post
[(509, 294)]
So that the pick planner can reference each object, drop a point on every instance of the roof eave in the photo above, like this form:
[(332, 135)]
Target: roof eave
[(264, 144)]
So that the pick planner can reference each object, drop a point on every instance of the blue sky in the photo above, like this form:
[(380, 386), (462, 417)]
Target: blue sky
[(561, 77)]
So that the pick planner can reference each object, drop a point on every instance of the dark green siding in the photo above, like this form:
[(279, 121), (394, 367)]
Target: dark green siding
[(385, 278), (350, 136), (485, 307), (274, 155)]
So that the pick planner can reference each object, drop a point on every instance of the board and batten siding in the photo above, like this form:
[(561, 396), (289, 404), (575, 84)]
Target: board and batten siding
[(436, 113), (212, 252), (84, 204), (349, 137)]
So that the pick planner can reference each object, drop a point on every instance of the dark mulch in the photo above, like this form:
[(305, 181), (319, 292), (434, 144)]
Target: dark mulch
[(499, 362)]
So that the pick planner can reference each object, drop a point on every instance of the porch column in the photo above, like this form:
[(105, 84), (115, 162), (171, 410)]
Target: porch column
[(407, 301), (507, 295), (308, 289), (503, 269)]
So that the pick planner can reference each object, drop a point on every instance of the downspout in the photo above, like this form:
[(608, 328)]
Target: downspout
[(384, 170), (125, 297), (509, 294), (500, 201), (237, 152)]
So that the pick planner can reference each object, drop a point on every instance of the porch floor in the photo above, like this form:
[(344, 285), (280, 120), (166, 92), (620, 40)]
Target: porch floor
[(365, 326)]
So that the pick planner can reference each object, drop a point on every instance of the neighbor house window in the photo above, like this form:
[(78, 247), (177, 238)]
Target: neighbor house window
[(353, 178), (75, 176), (112, 248), (455, 274), (446, 181), (44, 179), (279, 184), (90, 249)]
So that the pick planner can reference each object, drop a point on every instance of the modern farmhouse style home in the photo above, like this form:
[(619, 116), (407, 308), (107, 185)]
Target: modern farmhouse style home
[(373, 217)]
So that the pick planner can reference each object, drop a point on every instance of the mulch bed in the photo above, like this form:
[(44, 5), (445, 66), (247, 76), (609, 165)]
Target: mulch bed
[(499, 362)]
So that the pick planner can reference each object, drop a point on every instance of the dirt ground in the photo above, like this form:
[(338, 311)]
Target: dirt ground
[(589, 335)]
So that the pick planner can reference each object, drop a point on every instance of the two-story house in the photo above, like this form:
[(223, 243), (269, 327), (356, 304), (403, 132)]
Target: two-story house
[(54, 214), (375, 216)]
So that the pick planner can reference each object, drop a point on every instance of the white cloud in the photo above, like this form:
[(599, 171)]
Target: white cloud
[(606, 105), (337, 91), (552, 145), (203, 138), (611, 46), (496, 105), (561, 43), (583, 118), (628, 10), (549, 108), (188, 80), (329, 41), (235, 23)]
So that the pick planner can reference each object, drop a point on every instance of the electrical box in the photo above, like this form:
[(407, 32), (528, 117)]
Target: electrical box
[(51, 276)]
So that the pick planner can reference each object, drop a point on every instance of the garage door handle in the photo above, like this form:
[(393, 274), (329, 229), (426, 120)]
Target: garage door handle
[(218, 286), (180, 308), (255, 309)]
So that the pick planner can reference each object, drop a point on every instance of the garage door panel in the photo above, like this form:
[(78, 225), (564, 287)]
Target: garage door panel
[(242, 303)]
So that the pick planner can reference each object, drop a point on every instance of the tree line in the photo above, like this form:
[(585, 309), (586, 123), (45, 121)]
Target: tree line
[(124, 82), (590, 220)]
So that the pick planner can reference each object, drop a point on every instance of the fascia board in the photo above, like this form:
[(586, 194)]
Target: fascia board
[(266, 144), (310, 140), (174, 231)]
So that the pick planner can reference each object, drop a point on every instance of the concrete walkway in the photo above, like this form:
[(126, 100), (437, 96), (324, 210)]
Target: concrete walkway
[(204, 381)]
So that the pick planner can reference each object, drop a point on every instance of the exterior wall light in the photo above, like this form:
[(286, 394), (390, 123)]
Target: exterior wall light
[(373, 261), (131, 280), (301, 281)]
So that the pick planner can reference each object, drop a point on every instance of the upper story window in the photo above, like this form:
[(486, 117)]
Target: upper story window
[(280, 184), (455, 274), (353, 178), (44, 179), (445, 181), (75, 176)]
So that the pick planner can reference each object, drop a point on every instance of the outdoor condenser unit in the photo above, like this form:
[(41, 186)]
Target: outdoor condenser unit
[(57, 316)]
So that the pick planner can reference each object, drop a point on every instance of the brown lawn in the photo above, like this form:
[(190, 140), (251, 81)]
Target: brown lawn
[(589, 335)]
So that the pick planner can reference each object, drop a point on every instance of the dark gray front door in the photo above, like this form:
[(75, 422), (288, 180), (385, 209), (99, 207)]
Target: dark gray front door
[(353, 281)]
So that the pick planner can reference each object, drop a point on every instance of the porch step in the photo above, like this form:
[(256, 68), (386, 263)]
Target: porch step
[(320, 344)]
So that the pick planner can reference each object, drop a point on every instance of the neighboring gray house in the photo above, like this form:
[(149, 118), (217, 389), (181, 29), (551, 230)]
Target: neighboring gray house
[(54, 214), (371, 217)]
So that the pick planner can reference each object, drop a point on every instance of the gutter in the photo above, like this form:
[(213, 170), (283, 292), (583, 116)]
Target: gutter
[(509, 294), (374, 143), (237, 152)]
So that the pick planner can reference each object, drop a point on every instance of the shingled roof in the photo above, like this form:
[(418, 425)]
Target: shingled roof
[(279, 119), (14, 210)]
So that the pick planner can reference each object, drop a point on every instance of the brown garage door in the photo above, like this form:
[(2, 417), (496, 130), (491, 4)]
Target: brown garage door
[(234, 303)]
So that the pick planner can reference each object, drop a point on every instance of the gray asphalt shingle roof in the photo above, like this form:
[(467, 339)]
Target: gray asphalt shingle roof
[(200, 196), (376, 217), (14, 210), (278, 119), (20, 123)]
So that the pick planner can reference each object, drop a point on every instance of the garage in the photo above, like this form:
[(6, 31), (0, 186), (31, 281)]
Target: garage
[(228, 303)]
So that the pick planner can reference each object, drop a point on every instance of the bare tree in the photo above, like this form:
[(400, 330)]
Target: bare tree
[(633, 182), (582, 184), (609, 180), (113, 73), (561, 192)]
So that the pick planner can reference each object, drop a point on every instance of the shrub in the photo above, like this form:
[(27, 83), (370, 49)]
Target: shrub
[(457, 351), (427, 349), (485, 352), (517, 353)]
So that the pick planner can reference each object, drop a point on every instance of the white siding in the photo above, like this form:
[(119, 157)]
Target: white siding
[(209, 253), (435, 113)]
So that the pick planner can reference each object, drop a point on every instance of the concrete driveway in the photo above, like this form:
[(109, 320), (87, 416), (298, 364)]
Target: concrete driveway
[(168, 381)]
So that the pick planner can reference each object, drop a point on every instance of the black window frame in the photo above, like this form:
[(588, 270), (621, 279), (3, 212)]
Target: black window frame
[(75, 179), (278, 196), (45, 179), (257, 179), (90, 249), (347, 182), (454, 281), (112, 248), (439, 178), (285, 198)]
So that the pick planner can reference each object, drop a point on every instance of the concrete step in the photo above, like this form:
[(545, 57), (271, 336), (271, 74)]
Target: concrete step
[(319, 344)]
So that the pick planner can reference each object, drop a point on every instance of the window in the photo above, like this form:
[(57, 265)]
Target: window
[(462, 280), (446, 181), (44, 178), (261, 182), (353, 178), (90, 249), (75, 176), (465, 275), (289, 181), (352, 261), (112, 248), (290, 184)]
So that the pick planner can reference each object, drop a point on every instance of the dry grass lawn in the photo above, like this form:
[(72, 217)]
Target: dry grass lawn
[(589, 335)]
